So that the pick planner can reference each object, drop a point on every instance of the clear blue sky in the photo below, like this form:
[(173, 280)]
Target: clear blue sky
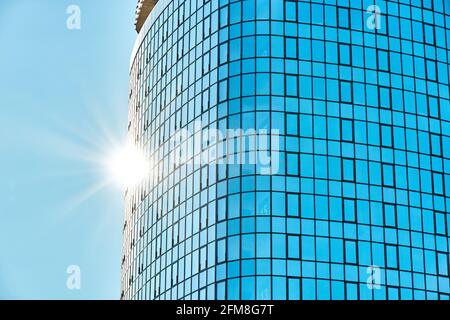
[(63, 103)]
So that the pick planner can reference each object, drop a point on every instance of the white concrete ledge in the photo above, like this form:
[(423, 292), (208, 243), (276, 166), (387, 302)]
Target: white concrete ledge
[(156, 9), (143, 9)]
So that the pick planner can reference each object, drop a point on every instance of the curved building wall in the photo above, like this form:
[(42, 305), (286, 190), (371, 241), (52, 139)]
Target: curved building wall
[(357, 97)]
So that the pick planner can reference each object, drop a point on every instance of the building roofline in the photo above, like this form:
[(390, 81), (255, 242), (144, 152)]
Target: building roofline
[(157, 9), (143, 9)]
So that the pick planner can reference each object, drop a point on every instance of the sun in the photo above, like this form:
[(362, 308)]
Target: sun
[(128, 166)]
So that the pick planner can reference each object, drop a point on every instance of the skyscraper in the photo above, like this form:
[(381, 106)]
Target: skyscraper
[(355, 97)]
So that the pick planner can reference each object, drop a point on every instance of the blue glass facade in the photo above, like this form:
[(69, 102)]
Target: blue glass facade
[(358, 93)]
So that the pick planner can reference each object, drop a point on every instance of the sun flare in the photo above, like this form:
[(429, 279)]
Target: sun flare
[(128, 166)]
